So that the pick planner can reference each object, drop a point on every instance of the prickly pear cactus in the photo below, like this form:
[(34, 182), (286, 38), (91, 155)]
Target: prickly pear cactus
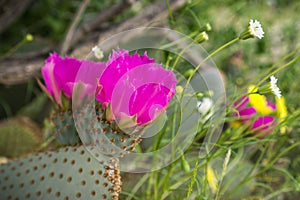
[(96, 129), (18, 136), (64, 128), (69, 173), (104, 135)]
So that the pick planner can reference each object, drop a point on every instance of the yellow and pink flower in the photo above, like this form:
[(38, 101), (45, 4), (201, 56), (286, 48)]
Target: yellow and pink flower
[(259, 113)]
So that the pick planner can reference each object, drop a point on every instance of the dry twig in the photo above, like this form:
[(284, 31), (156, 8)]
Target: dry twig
[(104, 16), (68, 39), (20, 71), (10, 11)]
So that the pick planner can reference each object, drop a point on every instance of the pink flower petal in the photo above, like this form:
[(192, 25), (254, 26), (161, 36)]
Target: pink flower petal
[(241, 103), (247, 113), (65, 71), (46, 71), (143, 91), (271, 105), (264, 124), (89, 74), (149, 100), (61, 74), (50, 79), (119, 63)]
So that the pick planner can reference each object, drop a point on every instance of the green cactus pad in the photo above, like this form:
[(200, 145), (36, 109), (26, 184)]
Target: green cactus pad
[(18, 136), (105, 136), (64, 128), (69, 173)]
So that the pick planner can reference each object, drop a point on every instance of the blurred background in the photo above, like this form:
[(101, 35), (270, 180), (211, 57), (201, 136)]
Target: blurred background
[(30, 30)]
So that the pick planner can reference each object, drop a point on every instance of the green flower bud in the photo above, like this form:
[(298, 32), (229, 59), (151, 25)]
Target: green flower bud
[(202, 37), (29, 37)]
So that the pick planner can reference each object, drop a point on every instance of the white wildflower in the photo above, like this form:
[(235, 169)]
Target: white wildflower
[(205, 105), (253, 30), (205, 108), (98, 52), (274, 87), (256, 29)]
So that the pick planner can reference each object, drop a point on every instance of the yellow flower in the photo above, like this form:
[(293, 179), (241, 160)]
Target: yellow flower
[(211, 179), (259, 102), (235, 124), (281, 108), (281, 112)]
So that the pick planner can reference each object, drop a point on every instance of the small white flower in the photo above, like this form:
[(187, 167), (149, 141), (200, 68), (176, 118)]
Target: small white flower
[(274, 87), (204, 107), (98, 52), (256, 29)]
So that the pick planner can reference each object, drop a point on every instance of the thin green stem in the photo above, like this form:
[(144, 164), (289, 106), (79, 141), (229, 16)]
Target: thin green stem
[(180, 54), (15, 48), (268, 72), (137, 186), (148, 193), (195, 17), (6, 107), (45, 144), (278, 192), (183, 50), (192, 181), (170, 11), (279, 155), (277, 63), (155, 184), (205, 59), (279, 69), (249, 177), (272, 73)]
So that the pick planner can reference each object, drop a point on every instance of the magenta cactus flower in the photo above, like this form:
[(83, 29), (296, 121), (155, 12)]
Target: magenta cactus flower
[(60, 75), (119, 63), (135, 86)]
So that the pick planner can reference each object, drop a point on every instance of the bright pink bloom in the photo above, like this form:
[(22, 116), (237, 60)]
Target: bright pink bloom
[(60, 75), (247, 114), (264, 124), (135, 85), (119, 63)]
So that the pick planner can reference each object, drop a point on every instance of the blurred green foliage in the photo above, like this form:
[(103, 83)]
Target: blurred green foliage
[(18, 137), (49, 20), (243, 63)]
